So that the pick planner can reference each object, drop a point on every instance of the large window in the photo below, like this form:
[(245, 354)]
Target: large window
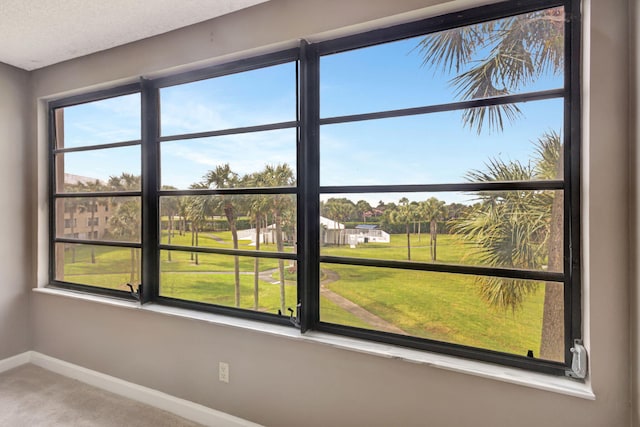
[(416, 185)]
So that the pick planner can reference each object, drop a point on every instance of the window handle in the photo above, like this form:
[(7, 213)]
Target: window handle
[(295, 320), (138, 293)]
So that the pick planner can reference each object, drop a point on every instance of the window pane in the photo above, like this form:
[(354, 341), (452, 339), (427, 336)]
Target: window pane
[(112, 169), (511, 229), (186, 162), (102, 266), (435, 148), (262, 96), (417, 71), (99, 122), (99, 218), (452, 308), (207, 221), (211, 279)]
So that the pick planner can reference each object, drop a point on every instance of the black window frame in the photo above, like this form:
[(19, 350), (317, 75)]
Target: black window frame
[(308, 189)]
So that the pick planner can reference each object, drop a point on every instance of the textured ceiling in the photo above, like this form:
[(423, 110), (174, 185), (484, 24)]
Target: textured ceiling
[(37, 33)]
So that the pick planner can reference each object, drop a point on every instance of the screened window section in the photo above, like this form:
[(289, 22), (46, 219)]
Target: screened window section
[(417, 185), (228, 168), (96, 167)]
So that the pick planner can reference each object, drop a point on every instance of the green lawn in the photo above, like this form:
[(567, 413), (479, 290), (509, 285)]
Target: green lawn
[(444, 307)]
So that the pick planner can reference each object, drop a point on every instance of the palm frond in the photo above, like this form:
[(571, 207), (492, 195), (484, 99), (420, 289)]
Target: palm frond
[(507, 229), (549, 151), (520, 50), (450, 49)]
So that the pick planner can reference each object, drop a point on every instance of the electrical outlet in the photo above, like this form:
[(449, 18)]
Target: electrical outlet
[(223, 372)]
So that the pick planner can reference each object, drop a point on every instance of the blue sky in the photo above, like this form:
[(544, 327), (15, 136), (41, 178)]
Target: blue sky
[(424, 149)]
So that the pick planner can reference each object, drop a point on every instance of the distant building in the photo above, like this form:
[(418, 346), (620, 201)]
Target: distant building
[(329, 229), (88, 220), (370, 233), (335, 233)]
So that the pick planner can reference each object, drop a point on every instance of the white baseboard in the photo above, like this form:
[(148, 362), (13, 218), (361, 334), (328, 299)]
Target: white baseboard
[(183, 408), (15, 361)]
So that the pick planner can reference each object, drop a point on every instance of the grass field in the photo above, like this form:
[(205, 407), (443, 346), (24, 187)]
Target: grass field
[(444, 307)]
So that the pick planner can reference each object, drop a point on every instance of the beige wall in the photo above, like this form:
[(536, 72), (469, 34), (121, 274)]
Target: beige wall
[(634, 198), (180, 356), (14, 263)]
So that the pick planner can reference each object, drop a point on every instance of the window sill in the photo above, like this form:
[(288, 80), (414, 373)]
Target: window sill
[(485, 370)]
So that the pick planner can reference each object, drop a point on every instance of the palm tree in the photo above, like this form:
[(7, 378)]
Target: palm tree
[(169, 207), (520, 229), (257, 210), (432, 210), (339, 209), (517, 50), (71, 206), (91, 204), (550, 167), (182, 207), (403, 214), (280, 176), (223, 177), (197, 209), (363, 208), (125, 222)]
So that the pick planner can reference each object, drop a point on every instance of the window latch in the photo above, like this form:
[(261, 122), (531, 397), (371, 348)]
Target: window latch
[(137, 294), (579, 361), (295, 320)]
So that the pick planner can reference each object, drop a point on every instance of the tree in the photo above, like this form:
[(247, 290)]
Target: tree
[(518, 50), (363, 209), (198, 208), (223, 177), (257, 210), (432, 210), (519, 229), (403, 214), (280, 176), (71, 206), (125, 221), (182, 214), (91, 204), (338, 209), (169, 206)]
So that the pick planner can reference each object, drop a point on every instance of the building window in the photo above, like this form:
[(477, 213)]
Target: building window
[(416, 185)]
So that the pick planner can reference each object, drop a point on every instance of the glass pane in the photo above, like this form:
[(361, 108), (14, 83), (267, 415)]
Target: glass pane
[(99, 122), (102, 266), (112, 169), (435, 148), (512, 55), (262, 284), (258, 97), (188, 162), (99, 218), (511, 229), (207, 221), (452, 308)]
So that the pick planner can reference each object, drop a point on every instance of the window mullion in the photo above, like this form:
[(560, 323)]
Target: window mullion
[(150, 182), (572, 203), (309, 186)]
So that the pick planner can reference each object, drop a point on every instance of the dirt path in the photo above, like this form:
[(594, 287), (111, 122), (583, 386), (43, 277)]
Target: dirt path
[(353, 308), (216, 238)]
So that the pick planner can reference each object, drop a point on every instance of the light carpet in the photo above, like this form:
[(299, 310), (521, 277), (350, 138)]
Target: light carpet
[(34, 397)]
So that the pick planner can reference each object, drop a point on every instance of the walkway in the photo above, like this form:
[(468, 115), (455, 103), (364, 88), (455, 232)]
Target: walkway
[(376, 322), (366, 316)]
